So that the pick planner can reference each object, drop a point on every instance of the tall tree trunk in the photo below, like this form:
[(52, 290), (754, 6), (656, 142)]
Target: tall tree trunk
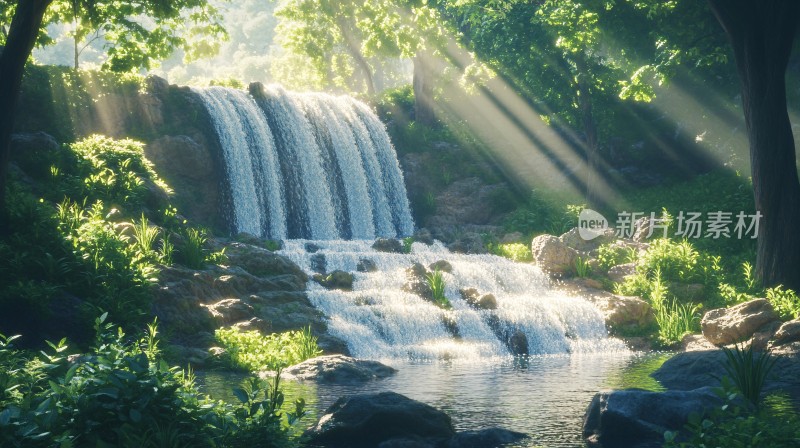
[(75, 53), (761, 34), (21, 38), (423, 89), (590, 132), (353, 47)]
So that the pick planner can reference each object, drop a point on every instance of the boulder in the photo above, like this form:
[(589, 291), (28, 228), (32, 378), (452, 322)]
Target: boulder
[(518, 343), (478, 301), (632, 418), (366, 421), (366, 265), (441, 265), (788, 332), (468, 243), (318, 263), (390, 245), (553, 255), (335, 280), (738, 323), (484, 438), (337, 369), (423, 236), (311, 248), (573, 240), (417, 282), (623, 314), (696, 342), (619, 272)]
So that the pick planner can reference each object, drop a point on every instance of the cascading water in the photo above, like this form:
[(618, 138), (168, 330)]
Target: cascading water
[(378, 319), (307, 165), (321, 167)]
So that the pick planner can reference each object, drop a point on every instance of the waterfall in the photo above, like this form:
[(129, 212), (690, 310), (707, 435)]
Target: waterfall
[(379, 319), (310, 165)]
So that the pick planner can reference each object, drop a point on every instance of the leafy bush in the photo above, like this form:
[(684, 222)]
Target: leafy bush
[(513, 251), (544, 212), (123, 394), (733, 425), (252, 351), (785, 301), (437, 285), (610, 255)]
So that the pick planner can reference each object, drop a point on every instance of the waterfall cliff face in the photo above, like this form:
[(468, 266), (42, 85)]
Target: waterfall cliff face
[(307, 165)]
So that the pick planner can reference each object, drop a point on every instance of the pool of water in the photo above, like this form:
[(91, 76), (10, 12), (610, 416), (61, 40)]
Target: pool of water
[(543, 396)]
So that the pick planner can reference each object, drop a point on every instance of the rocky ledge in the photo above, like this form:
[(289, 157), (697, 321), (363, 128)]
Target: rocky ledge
[(336, 369)]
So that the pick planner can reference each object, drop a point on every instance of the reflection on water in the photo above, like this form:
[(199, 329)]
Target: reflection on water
[(543, 396)]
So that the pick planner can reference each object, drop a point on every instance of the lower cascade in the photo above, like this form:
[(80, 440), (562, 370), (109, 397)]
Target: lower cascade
[(382, 317), (307, 165)]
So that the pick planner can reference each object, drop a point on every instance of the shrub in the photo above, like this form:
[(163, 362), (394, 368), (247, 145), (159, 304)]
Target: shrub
[(582, 268), (123, 394), (785, 301), (513, 251), (610, 255), (437, 285), (252, 351)]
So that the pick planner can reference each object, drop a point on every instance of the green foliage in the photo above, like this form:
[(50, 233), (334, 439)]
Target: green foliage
[(121, 393), (733, 425), (193, 253), (748, 371), (190, 25), (408, 242), (514, 251), (436, 282), (78, 248), (785, 301), (252, 351), (543, 213), (610, 255), (582, 268)]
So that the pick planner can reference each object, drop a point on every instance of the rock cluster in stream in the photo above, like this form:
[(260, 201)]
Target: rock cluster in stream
[(255, 290)]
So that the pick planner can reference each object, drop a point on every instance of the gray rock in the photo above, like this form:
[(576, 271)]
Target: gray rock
[(468, 243), (619, 272), (553, 255), (311, 248), (573, 240), (390, 245), (441, 265), (484, 438), (366, 421), (318, 263), (366, 265), (423, 236), (518, 343), (337, 369), (335, 280), (624, 314), (738, 323), (627, 418), (788, 332), (417, 283)]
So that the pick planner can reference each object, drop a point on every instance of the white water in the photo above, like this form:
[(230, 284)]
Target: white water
[(307, 165), (379, 320)]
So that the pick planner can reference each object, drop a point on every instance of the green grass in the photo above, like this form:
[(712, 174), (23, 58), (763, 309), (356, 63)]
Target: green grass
[(582, 268), (437, 285), (513, 251), (252, 351)]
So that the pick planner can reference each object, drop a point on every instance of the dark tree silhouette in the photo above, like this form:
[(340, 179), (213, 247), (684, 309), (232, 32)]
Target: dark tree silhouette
[(761, 34), (19, 44)]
